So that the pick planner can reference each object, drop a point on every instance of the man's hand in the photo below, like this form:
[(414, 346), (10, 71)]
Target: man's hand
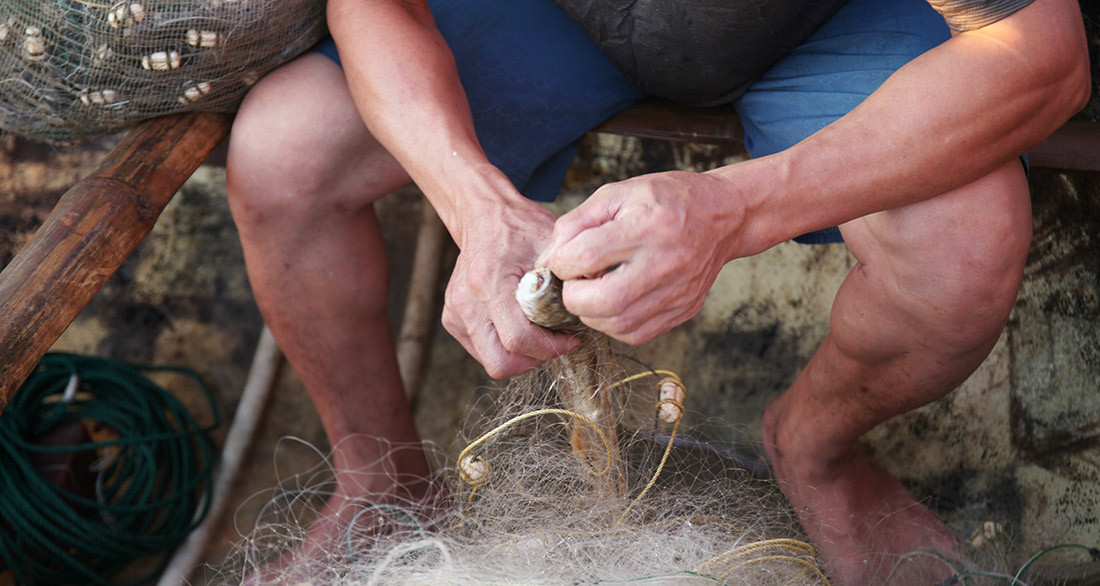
[(481, 311), (403, 78), (639, 256)]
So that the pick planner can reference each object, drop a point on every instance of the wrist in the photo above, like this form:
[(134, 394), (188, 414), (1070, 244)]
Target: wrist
[(473, 197), (755, 186)]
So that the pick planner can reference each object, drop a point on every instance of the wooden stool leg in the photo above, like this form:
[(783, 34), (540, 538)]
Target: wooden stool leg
[(91, 231)]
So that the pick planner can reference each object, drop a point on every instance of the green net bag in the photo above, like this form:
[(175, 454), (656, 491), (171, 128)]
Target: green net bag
[(76, 68)]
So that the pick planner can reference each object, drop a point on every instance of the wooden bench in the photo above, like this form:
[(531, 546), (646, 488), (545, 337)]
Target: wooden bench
[(1075, 147), (100, 221)]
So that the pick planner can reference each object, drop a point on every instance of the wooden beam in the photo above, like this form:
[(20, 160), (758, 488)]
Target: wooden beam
[(92, 230), (1074, 147), (665, 120)]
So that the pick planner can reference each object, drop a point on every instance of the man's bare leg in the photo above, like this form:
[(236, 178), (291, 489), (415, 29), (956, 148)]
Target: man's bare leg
[(920, 311), (303, 172)]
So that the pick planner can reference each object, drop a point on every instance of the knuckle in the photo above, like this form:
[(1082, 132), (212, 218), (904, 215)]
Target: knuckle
[(614, 303), (666, 224), (511, 341), (642, 334), (614, 322), (617, 326), (662, 215), (605, 190), (585, 256), (455, 330)]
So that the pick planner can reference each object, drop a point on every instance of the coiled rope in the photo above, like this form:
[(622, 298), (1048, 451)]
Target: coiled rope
[(152, 483)]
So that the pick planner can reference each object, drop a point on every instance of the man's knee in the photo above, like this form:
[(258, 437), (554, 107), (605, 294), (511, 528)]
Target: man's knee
[(298, 148), (957, 271)]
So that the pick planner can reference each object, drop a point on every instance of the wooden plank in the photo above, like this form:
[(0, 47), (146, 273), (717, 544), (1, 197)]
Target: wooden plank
[(665, 120), (1074, 147), (91, 231)]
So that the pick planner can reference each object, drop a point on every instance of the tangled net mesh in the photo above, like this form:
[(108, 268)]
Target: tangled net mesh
[(533, 501), (70, 69)]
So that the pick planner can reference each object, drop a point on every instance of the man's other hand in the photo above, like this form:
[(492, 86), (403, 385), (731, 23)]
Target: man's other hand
[(639, 256), (481, 311)]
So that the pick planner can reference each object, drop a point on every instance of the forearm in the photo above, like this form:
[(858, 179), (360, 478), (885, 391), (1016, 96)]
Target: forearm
[(944, 120), (404, 81)]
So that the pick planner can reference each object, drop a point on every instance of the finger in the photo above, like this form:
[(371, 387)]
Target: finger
[(597, 210), (638, 332), (616, 308), (483, 344), (594, 252), (490, 352), (519, 335), (486, 343), (457, 329), (610, 294)]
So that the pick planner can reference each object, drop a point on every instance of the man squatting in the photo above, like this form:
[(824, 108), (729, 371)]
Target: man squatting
[(894, 125)]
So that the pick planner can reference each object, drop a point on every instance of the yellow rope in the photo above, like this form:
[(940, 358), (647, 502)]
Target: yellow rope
[(661, 466), (808, 564), (790, 544), (672, 436), (635, 377), (794, 545), (519, 418)]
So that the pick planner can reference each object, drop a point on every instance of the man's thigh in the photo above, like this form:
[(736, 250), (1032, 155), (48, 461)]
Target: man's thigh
[(832, 72)]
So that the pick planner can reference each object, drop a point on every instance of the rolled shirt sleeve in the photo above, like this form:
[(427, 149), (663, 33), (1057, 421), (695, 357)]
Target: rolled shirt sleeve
[(964, 15)]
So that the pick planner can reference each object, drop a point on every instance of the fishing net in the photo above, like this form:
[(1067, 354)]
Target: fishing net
[(538, 496), (535, 495), (76, 68)]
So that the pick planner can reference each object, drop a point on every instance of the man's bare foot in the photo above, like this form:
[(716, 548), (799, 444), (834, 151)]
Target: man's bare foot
[(868, 527), (366, 504)]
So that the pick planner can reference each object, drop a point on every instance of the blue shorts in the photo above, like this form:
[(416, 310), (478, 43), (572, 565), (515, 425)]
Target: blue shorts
[(536, 84)]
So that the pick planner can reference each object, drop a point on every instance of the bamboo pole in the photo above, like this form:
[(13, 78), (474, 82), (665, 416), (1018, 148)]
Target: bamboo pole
[(416, 326), (92, 230)]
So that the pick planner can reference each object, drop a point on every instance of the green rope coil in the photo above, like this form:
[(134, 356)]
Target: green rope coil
[(153, 483)]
